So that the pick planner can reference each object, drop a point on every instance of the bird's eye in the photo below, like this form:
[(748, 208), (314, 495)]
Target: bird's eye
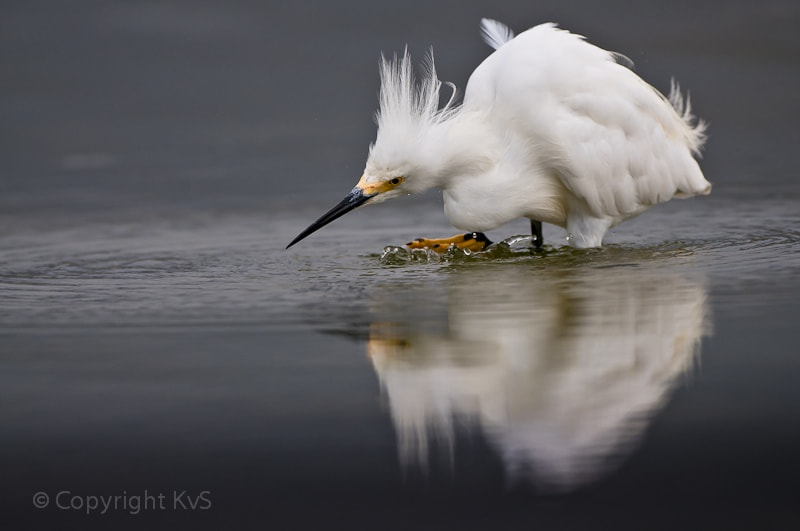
[(396, 181)]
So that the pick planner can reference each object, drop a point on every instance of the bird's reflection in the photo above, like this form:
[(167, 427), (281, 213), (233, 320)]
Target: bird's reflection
[(560, 371)]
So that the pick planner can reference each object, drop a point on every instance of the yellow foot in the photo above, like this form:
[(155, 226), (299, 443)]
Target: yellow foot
[(474, 241)]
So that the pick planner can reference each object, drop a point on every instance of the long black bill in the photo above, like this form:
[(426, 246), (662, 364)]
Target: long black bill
[(354, 199)]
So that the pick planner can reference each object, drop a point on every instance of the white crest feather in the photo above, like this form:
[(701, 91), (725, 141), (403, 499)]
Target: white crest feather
[(405, 98), (409, 107), (495, 33)]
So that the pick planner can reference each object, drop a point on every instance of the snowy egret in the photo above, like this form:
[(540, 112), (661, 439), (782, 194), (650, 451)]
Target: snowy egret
[(551, 128)]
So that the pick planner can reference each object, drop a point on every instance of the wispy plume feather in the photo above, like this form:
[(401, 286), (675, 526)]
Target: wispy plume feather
[(404, 99), (695, 130), (495, 33), (409, 112)]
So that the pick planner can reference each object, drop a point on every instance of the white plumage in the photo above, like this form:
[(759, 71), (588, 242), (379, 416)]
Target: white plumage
[(551, 128)]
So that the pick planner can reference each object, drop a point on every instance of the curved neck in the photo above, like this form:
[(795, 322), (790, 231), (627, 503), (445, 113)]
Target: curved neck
[(462, 145)]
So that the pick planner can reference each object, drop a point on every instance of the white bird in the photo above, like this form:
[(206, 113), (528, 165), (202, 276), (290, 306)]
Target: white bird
[(551, 128)]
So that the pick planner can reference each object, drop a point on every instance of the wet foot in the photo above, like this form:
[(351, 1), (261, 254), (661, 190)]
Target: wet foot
[(474, 241)]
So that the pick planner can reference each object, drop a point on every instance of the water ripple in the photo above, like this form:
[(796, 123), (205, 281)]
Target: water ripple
[(225, 271)]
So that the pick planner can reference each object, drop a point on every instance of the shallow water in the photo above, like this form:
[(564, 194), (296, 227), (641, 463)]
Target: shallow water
[(155, 336), (203, 356)]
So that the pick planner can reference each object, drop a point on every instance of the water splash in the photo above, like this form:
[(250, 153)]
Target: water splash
[(519, 249), (508, 249)]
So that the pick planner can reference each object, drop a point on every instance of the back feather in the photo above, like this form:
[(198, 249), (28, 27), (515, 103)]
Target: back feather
[(495, 33)]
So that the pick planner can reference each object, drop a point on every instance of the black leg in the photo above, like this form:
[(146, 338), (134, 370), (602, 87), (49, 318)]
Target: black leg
[(536, 230), (479, 236)]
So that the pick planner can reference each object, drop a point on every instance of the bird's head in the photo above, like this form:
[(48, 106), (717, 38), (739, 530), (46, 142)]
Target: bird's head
[(370, 189), (401, 160)]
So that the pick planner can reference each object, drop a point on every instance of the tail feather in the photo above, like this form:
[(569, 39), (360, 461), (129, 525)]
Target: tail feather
[(495, 33), (695, 128)]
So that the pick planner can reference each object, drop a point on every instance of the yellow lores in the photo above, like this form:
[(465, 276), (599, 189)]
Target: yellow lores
[(378, 188)]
